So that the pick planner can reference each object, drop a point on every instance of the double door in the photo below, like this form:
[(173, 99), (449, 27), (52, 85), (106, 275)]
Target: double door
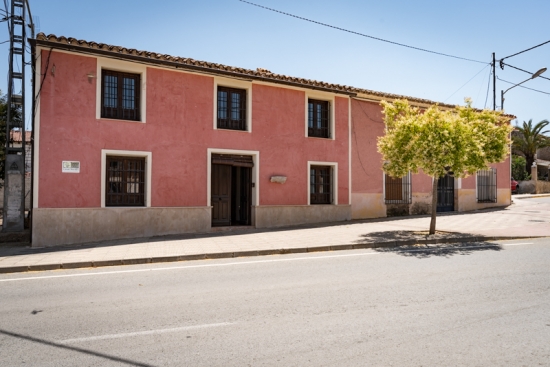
[(231, 194)]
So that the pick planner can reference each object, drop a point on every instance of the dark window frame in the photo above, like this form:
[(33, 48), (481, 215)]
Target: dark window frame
[(397, 190), (125, 181), (113, 105), (321, 184), (486, 185), (231, 114), (318, 119)]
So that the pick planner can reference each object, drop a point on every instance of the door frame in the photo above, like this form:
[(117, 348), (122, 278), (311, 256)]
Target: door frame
[(255, 199)]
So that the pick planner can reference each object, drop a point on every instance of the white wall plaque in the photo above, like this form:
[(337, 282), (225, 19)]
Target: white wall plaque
[(70, 167)]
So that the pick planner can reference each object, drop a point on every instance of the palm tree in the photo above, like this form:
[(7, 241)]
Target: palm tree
[(528, 138)]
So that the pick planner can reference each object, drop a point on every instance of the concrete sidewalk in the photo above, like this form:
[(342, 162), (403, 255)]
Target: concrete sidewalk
[(523, 219)]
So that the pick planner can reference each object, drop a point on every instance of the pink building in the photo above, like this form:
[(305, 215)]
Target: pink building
[(131, 144)]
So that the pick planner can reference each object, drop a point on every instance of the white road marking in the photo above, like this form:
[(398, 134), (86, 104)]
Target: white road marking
[(140, 333), (187, 267), (517, 244)]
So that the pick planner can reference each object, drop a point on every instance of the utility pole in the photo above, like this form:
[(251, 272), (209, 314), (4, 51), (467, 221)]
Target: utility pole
[(494, 84), (14, 177)]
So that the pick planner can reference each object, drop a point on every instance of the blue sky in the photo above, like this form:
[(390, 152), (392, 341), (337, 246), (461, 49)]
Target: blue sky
[(234, 33)]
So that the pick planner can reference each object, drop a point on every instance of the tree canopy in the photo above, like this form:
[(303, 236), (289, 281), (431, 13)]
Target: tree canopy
[(528, 138), (460, 140)]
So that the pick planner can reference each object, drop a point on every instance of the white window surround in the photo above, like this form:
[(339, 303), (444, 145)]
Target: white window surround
[(321, 96), (126, 67), (127, 153), (334, 167), (384, 185), (496, 183), (238, 84), (255, 172)]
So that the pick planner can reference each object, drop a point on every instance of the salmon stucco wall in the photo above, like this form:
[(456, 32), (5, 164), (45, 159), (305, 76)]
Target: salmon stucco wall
[(366, 162), (178, 131)]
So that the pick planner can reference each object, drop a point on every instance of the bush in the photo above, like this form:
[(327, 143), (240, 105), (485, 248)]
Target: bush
[(518, 168)]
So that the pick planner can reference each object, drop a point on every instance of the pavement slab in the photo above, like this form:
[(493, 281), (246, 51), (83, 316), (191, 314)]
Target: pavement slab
[(525, 218)]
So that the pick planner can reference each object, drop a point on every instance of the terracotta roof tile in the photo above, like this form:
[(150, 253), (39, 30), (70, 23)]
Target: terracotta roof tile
[(181, 62)]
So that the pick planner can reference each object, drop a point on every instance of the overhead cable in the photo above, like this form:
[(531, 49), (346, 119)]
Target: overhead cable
[(529, 49), (525, 71), (521, 86), (362, 34)]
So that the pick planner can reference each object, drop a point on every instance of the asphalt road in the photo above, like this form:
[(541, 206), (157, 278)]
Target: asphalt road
[(474, 305)]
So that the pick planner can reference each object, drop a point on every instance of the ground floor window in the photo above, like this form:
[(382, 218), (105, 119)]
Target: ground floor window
[(397, 190), (320, 184), (125, 181), (487, 186)]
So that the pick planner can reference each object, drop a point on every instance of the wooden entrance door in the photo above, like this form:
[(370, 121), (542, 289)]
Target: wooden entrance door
[(241, 193), (221, 195)]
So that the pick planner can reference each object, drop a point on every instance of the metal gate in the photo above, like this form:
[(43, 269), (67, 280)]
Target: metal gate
[(446, 194)]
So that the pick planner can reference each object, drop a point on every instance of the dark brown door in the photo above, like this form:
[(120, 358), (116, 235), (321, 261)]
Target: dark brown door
[(241, 193), (221, 195)]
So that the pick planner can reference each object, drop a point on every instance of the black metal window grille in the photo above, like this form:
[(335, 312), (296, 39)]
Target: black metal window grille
[(120, 97), (318, 120), (397, 190), (487, 186), (231, 108), (320, 184), (125, 184)]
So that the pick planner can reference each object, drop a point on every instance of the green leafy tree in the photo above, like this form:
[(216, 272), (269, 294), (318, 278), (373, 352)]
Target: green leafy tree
[(518, 168), (16, 117), (436, 141), (528, 138)]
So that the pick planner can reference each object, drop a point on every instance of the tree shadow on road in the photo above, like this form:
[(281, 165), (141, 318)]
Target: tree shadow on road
[(418, 244)]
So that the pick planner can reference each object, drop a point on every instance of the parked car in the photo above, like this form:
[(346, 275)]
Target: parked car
[(514, 186)]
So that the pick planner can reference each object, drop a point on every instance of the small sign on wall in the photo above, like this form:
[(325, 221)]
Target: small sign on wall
[(70, 167)]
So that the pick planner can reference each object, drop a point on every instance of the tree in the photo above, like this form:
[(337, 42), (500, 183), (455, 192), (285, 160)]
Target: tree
[(518, 168), (436, 141), (529, 138), (16, 117)]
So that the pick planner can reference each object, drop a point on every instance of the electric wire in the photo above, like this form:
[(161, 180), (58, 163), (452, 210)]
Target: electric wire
[(466, 83), (525, 71), (488, 86), (521, 86), (529, 49), (362, 34)]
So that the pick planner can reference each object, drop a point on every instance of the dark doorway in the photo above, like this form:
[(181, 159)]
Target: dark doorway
[(446, 194), (231, 190)]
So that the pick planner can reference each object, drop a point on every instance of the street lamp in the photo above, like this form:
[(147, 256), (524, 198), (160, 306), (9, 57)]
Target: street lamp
[(537, 74)]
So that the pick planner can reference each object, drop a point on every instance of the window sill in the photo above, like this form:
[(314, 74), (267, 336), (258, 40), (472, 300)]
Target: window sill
[(120, 120), (240, 131)]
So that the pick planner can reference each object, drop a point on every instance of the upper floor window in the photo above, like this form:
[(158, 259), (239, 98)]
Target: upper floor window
[(318, 121), (120, 97), (487, 186), (231, 108), (125, 184)]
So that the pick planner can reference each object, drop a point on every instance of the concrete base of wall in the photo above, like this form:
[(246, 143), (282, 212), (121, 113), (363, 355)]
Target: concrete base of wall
[(364, 206), (421, 204), (287, 215), (467, 200), (53, 227)]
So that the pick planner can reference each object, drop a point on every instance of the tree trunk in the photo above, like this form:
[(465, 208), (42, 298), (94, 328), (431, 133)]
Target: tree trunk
[(434, 205), (529, 159)]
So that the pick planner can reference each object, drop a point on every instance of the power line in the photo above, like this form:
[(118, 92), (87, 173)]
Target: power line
[(521, 86), (488, 86), (466, 82), (362, 34), (525, 71), (529, 49)]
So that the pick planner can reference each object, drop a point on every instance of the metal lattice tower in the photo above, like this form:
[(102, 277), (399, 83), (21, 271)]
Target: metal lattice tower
[(14, 178)]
